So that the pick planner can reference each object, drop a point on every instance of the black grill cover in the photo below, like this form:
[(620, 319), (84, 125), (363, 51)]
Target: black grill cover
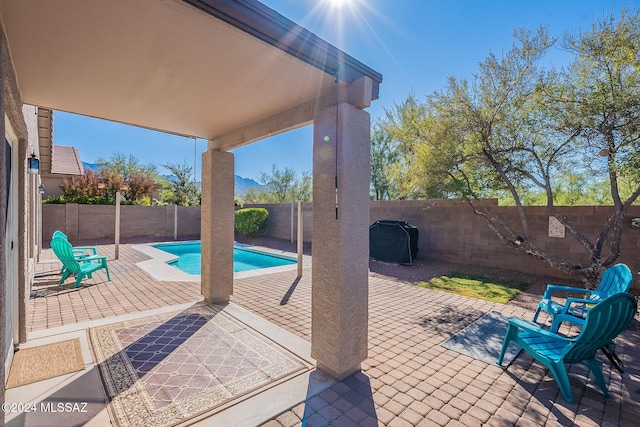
[(393, 241)]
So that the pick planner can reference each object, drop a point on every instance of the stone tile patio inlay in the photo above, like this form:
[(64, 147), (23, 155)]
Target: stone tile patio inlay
[(163, 370)]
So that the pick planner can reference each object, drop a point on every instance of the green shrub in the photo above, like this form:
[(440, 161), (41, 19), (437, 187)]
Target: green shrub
[(251, 221), (54, 200), (95, 200)]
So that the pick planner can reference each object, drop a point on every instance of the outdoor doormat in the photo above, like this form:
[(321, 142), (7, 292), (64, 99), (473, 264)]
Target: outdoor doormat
[(35, 364), (483, 339), (166, 369)]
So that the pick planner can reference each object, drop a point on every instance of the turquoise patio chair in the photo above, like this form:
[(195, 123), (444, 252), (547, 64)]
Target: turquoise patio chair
[(602, 324), (614, 280), (80, 267), (78, 251)]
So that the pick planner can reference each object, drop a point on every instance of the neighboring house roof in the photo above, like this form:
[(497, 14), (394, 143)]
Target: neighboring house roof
[(66, 161)]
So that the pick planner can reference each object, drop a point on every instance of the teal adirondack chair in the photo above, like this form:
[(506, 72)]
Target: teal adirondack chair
[(81, 267), (614, 280), (603, 323), (78, 251)]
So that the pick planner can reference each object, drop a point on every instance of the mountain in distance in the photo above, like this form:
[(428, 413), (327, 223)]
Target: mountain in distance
[(91, 166), (241, 184)]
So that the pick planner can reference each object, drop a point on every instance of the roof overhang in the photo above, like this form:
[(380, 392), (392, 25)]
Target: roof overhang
[(201, 68)]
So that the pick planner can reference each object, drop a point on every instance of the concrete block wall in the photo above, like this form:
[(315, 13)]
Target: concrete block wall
[(279, 224), (86, 222), (188, 221), (449, 230)]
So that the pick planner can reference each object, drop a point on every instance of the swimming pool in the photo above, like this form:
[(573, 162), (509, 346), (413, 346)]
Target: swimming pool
[(190, 258)]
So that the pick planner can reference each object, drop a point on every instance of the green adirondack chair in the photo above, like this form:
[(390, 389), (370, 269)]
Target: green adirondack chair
[(78, 251), (614, 280), (602, 324), (81, 267)]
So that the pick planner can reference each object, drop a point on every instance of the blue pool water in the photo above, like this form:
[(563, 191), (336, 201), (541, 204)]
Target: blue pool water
[(189, 258)]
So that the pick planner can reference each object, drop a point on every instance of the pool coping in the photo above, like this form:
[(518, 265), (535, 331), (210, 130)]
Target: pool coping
[(158, 268)]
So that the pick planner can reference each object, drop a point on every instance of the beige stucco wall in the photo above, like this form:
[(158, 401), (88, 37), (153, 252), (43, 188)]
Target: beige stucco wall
[(52, 186)]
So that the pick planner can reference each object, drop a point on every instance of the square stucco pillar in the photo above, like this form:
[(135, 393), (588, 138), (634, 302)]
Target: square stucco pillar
[(340, 246), (216, 226)]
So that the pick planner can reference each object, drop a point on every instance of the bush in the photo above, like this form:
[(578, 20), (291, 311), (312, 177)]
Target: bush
[(54, 200), (251, 221)]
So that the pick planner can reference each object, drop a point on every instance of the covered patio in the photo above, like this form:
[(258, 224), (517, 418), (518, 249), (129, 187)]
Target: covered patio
[(231, 73), (408, 377)]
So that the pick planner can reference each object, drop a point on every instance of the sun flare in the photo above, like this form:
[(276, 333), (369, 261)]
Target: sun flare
[(338, 3)]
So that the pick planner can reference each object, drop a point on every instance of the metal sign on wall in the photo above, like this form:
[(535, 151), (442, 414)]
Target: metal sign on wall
[(556, 229)]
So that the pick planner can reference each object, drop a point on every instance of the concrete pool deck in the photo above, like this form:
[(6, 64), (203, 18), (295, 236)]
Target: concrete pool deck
[(158, 268), (408, 378)]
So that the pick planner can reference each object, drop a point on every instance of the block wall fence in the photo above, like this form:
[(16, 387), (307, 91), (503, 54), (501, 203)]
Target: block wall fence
[(449, 230), (86, 222)]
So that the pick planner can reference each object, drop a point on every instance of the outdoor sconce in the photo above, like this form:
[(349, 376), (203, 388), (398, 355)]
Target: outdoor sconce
[(33, 165), (519, 241), (41, 188)]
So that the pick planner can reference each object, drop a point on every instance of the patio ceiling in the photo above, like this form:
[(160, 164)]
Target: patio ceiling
[(202, 68)]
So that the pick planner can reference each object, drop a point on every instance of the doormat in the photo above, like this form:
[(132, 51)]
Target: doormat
[(482, 340), (166, 369), (35, 364)]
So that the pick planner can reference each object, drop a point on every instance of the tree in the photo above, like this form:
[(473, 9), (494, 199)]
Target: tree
[(401, 131), (139, 188), (383, 159), (126, 166), (113, 183), (82, 188), (514, 128), (281, 186), (183, 191), (125, 174), (597, 102)]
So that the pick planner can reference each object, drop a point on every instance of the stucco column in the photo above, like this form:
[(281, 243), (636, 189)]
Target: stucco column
[(217, 224), (340, 246)]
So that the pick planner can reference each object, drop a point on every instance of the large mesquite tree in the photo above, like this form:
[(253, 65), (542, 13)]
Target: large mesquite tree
[(516, 127)]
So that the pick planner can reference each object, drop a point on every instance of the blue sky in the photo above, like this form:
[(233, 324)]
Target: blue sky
[(415, 44)]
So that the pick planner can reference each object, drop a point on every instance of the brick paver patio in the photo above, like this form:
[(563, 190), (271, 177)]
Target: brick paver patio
[(409, 379)]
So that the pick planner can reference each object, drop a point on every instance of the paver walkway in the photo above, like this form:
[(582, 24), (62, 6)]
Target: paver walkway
[(409, 379)]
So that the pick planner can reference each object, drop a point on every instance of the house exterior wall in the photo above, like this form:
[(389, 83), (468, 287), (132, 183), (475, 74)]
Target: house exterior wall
[(28, 216), (52, 186), (19, 199)]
